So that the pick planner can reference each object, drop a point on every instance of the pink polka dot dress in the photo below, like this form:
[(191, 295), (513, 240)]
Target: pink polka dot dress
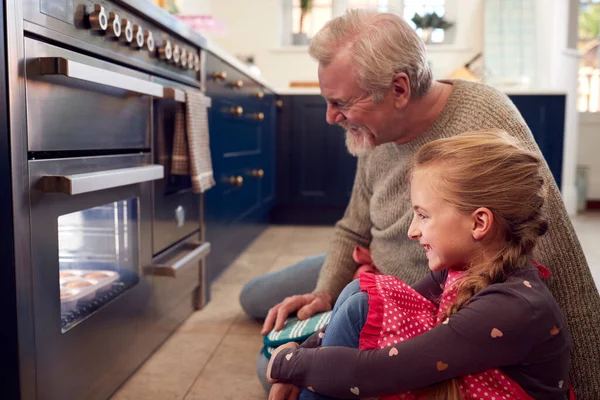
[(398, 313)]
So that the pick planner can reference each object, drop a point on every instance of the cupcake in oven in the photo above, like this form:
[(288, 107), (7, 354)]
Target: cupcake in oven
[(97, 275), (66, 293), (66, 274), (77, 284)]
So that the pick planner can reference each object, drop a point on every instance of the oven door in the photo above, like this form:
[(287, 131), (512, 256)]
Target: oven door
[(91, 238), (76, 102)]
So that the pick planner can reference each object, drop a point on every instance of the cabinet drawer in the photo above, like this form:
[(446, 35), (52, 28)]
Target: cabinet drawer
[(236, 132), (177, 273), (237, 193), (222, 78)]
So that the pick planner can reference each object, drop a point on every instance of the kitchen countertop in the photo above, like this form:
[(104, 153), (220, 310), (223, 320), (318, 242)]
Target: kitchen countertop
[(233, 61)]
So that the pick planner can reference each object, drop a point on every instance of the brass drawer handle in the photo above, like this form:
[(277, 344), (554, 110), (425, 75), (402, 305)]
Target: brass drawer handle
[(260, 95), (279, 103), (258, 173), (237, 84), (258, 116), (236, 111), (236, 180), (220, 76)]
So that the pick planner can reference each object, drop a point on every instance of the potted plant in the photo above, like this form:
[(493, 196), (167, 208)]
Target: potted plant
[(428, 22), (301, 38)]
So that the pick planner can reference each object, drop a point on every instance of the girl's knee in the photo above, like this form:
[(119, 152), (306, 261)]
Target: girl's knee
[(356, 307), (350, 289)]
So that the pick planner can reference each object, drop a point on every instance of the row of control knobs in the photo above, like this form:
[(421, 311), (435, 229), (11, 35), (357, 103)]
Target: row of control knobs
[(135, 36)]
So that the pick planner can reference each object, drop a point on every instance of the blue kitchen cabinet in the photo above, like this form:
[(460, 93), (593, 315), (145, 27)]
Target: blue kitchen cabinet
[(545, 116), (322, 168), (315, 173), (242, 133)]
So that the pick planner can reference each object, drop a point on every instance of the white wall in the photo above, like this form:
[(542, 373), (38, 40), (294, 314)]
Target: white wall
[(194, 7), (254, 28), (589, 145)]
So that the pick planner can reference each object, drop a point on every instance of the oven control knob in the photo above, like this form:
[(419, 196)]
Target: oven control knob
[(98, 18), (176, 55), (138, 37), (149, 41), (196, 62), (127, 30), (184, 58), (114, 26), (165, 52)]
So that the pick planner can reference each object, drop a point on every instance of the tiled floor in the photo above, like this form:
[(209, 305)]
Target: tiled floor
[(213, 354)]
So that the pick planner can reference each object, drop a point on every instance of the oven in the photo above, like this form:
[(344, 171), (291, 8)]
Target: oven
[(90, 175), (116, 242)]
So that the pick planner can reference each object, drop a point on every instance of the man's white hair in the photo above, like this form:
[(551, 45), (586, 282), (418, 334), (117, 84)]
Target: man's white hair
[(381, 45)]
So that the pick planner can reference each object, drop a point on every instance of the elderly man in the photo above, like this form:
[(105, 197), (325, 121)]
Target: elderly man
[(373, 72)]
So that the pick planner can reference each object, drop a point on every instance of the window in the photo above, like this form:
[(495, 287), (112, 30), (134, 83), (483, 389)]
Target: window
[(422, 7), (323, 10), (589, 46), (312, 21)]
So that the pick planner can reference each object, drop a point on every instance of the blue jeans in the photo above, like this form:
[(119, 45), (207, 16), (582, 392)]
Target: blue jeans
[(347, 320), (263, 292)]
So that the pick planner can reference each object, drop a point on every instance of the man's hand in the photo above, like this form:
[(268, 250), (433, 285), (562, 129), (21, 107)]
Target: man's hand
[(307, 305), (284, 391)]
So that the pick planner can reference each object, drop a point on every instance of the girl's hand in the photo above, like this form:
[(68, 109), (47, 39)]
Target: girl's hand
[(289, 345), (284, 391)]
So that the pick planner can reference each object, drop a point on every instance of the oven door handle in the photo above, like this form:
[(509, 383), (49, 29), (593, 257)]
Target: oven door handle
[(84, 72), (95, 181), (200, 251)]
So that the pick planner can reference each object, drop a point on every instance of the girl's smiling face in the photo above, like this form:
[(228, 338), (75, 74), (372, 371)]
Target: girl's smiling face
[(445, 233)]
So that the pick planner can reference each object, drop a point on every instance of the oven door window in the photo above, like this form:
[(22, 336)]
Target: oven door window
[(98, 250)]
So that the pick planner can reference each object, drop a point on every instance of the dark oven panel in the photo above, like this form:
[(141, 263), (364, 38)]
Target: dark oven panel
[(69, 114), (114, 32)]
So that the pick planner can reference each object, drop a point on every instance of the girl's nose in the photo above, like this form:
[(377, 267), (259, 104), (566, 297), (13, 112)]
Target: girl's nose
[(413, 232)]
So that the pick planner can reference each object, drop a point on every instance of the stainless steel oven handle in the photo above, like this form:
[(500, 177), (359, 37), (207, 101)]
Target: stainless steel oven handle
[(84, 72), (95, 181), (193, 256)]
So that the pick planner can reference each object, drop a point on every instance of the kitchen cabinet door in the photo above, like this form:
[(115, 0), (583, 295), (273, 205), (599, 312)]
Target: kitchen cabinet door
[(322, 170), (545, 116)]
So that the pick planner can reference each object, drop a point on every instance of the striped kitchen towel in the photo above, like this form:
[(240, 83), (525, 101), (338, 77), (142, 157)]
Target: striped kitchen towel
[(295, 330), (191, 145)]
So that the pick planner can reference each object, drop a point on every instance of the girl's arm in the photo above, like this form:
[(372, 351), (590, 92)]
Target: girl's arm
[(498, 328)]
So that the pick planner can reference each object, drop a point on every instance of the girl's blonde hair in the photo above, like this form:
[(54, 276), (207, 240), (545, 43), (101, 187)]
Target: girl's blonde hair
[(488, 169), (381, 45)]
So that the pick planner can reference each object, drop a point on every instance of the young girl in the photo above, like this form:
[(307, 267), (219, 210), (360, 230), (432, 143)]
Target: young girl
[(482, 325)]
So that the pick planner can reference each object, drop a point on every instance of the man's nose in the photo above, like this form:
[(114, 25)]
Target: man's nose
[(333, 115)]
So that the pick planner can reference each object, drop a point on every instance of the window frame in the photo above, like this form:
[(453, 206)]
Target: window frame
[(338, 7)]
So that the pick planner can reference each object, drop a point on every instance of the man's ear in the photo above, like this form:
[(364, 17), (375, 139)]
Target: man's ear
[(401, 90), (483, 221)]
